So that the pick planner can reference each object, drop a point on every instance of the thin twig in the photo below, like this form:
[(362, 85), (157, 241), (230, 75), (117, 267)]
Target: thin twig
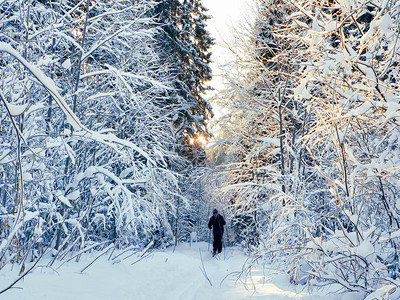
[(141, 258), (126, 250), (101, 254), (27, 272), (203, 270), (223, 279)]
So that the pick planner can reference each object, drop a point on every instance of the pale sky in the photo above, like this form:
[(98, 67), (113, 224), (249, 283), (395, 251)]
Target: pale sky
[(226, 15)]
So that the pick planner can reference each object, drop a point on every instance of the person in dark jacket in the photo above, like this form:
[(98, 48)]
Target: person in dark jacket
[(217, 223)]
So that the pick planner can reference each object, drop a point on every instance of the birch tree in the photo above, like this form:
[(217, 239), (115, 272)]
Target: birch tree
[(339, 217), (90, 152)]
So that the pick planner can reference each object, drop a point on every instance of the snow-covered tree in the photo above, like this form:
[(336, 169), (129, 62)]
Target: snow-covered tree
[(185, 47), (265, 125), (90, 152), (350, 86), (323, 107)]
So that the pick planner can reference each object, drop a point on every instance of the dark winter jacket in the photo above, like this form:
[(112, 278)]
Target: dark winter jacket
[(217, 223)]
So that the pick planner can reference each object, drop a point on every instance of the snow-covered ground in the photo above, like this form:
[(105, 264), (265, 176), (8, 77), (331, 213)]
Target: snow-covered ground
[(159, 274)]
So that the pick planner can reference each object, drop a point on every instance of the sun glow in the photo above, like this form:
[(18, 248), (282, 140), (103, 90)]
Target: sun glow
[(198, 140)]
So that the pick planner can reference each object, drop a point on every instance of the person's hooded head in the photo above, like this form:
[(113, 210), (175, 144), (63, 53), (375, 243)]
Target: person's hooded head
[(215, 212)]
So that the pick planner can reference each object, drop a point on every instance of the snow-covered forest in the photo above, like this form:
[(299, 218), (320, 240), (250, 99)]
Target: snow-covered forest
[(105, 142)]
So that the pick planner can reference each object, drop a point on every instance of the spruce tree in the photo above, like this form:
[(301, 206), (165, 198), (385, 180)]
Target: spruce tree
[(185, 48)]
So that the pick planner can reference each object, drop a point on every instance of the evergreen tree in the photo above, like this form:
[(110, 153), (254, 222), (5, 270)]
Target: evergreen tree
[(184, 46)]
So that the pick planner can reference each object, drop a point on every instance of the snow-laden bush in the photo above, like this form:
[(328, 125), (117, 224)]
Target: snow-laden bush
[(88, 143), (313, 149)]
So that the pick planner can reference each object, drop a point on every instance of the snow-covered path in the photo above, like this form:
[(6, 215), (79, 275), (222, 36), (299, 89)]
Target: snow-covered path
[(160, 275)]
